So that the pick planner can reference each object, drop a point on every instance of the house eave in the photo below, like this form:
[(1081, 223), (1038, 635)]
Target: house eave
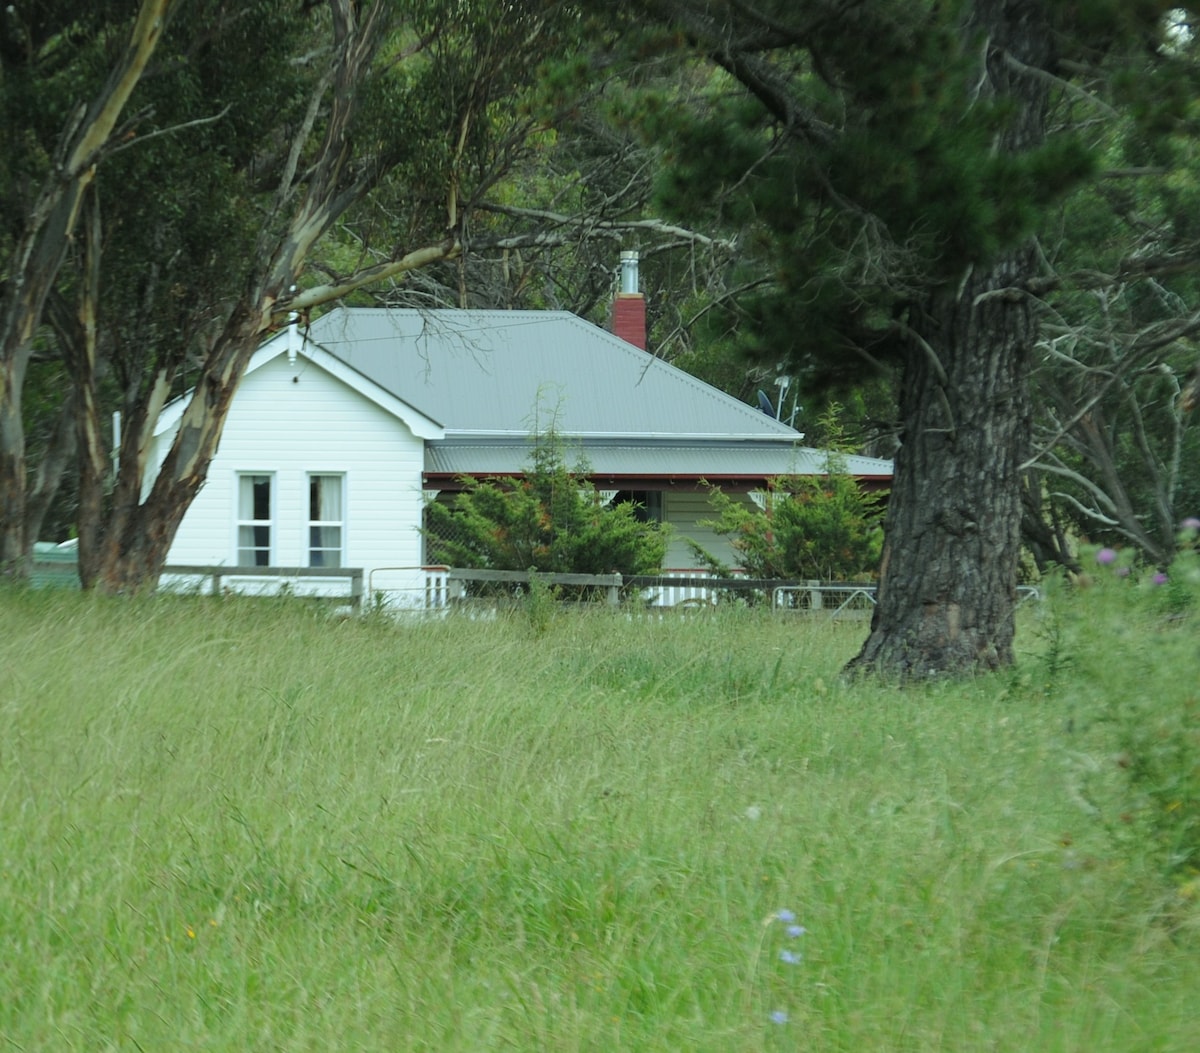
[(654, 460), (467, 436), (447, 482), (418, 422)]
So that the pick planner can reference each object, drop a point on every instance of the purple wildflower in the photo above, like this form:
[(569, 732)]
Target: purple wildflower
[(1106, 556), (1160, 578), (1191, 523)]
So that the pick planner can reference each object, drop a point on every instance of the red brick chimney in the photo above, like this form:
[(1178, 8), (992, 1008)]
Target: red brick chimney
[(629, 305)]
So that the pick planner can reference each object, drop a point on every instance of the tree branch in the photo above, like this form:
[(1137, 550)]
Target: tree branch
[(1046, 77), (135, 140), (653, 226)]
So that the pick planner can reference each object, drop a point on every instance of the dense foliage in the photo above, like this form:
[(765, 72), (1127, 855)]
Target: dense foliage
[(216, 200), (1116, 454), (811, 527), (551, 520)]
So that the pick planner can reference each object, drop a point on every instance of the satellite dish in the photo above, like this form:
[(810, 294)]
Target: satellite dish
[(764, 404)]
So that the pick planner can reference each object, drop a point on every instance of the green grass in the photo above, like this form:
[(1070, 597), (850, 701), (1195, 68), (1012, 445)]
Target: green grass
[(243, 826)]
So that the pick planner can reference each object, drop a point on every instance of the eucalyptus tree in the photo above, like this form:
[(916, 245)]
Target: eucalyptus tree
[(66, 77), (1116, 452), (1115, 455), (201, 240), (549, 235), (888, 165), (371, 139)]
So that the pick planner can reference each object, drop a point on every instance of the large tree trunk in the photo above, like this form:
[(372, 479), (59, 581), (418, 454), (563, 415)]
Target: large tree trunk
[(947, 589), (129, 556)]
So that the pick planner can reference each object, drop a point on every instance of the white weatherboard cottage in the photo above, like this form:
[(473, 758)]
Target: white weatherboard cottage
[(340, 432), (318, 466)]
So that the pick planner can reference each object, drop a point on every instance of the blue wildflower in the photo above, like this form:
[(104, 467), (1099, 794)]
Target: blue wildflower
[(785, 915), (791, 957), (796, 930), (779, 1016)]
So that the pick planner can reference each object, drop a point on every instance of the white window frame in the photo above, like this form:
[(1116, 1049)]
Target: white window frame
[(254, 524), (324, 554)]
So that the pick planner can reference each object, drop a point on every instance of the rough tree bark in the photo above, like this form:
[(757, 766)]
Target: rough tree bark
[(947, 588)]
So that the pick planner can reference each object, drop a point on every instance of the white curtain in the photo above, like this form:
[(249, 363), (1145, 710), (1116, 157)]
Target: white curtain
[(254, 498), (325, 521), (254, 520), (325, 499)]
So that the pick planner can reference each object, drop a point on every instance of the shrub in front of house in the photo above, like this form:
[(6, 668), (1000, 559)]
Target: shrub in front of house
[(550, 520), (821, 527)]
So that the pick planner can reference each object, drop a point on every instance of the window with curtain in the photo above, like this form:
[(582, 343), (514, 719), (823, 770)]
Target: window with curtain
[(325, 520), (254, 521)]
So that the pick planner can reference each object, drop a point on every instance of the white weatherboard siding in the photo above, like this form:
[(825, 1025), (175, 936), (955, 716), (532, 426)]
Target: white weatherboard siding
[(682, 511), (290, 421)]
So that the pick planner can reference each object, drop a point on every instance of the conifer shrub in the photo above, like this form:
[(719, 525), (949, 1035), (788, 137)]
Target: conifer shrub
[(550, 520), (821, 527)]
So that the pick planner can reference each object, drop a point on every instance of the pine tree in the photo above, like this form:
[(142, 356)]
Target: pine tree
[(888, 164)]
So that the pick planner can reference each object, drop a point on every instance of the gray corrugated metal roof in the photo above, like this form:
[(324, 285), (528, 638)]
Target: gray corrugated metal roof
[(493, 378), (509, 372)]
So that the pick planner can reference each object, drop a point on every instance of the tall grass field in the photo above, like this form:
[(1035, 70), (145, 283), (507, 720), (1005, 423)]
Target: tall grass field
[(246, 825)]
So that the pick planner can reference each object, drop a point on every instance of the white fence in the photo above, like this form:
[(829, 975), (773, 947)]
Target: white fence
[(345, 583), (688, 587), (438, 588), (681, 588), (425, 588), (685, 588)]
